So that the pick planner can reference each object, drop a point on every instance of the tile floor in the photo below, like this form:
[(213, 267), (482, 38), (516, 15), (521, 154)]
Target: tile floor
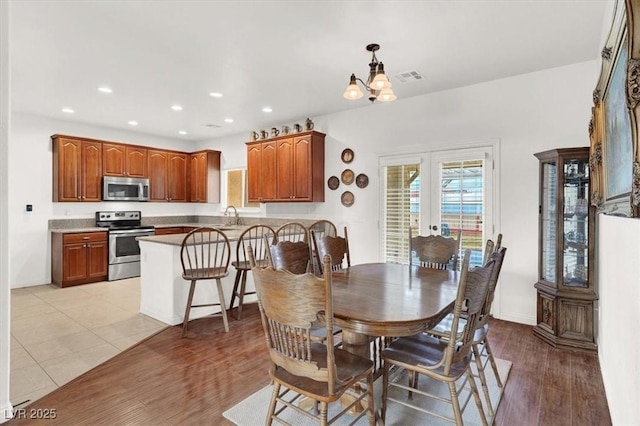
[(59, 333)]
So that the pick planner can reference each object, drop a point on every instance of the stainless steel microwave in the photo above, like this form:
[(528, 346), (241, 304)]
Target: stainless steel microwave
[(116, 188)]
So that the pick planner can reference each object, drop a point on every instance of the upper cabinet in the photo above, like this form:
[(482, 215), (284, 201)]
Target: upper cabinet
[(124, 160), (205, 177), (287, 168), (79, 165), (77, 169), (167, 175)]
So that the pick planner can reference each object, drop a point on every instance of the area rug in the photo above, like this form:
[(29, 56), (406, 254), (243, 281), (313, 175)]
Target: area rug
[(253, 410)]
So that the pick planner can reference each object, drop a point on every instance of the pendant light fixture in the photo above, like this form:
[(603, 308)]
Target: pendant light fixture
[(377, 83)]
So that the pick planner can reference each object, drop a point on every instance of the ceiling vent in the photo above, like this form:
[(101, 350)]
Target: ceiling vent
[(409, 76)]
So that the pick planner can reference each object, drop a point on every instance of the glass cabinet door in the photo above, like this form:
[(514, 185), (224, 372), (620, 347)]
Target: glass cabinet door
[(549, 221), (575, 224)]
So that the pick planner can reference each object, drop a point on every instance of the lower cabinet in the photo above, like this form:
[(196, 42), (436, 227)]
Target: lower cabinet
[(171, 230), (79, 258)]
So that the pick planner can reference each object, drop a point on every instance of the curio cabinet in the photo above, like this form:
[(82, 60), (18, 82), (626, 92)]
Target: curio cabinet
[(565, 289)]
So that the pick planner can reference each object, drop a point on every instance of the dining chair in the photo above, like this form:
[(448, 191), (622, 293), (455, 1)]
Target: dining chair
[(288, 255), (434, 251), (321, 228), (445, 361), (336, 247), (204, 255), (253, 236), (289, 304), (292, 231), (481, 348)]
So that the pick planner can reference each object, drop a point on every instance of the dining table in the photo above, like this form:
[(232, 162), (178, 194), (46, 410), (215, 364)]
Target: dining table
[(389, 300)]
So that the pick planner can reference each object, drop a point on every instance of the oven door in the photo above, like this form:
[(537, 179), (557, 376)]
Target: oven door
[(123, 247)]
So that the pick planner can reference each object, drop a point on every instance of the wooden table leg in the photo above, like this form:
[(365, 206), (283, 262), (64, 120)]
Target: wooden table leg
[(358, 344)]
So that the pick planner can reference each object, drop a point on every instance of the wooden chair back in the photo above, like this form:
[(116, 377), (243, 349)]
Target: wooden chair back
[(497, 258), (336, 247), (292, 231), (434, 251), (491, 247), (289, 305), (258, 237), (205, 254), (291, 256), (470, 300), (323, 228)]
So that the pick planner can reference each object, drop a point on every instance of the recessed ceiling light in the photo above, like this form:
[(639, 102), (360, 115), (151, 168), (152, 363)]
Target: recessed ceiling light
[(228, 120), (182, 132), (105, 89), (133, 123), (267, 109), (68, 110), (215, 95), (176, 107)]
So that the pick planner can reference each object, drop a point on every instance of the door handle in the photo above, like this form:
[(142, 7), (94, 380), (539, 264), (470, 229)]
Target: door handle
[(434, 227)]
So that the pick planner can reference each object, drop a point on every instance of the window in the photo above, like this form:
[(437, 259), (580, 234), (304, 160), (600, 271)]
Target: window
[(235, 193)]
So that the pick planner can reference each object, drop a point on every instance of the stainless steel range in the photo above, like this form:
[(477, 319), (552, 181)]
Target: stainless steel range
[(124, 251)]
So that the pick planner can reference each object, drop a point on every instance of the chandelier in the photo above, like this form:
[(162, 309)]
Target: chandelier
[(377, 83)]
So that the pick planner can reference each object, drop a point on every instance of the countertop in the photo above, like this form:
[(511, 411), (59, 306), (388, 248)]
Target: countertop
[(164, 225), (231, 231)]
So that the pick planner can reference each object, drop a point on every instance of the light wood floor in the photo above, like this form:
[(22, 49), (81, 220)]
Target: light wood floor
[(166, 380)]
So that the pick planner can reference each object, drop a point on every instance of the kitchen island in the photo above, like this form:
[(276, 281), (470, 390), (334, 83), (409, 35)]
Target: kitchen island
[(163, 291)]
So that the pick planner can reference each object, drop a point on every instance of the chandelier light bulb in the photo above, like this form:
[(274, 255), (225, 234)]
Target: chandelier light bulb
[(386, 95), (352, 91)]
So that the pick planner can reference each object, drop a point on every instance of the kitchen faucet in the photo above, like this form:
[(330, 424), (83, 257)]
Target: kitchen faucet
[(236, 221)]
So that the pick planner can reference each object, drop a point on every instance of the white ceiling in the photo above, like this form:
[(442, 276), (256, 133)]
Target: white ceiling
[(295, 56)]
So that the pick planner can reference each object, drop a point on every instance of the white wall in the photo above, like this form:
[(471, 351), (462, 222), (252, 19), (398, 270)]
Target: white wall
[(527, 113), (618, 253), (30, 174), (6, 410)]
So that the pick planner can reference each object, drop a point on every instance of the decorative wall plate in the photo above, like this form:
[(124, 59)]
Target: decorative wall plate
[(347, 155), (362, 180), (347, 198), (333, 182), (347, 176)]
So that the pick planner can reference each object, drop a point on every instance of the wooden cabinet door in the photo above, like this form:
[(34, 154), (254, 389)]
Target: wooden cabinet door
[(69, 170), (301, 172), (97, 259), (136, 162), (91, 171), (123, 160), (177, 176), (158, 161), (254, 172), (113, 160), (268, 165), (284, 169), (198, 178), (75, 262)]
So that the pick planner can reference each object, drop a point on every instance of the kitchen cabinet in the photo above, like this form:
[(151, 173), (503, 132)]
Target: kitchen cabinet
[(288, 168), (79, 258), (124, 160), (167, 175), (172, 230), (77, 169), (565, 286), (204, 184)]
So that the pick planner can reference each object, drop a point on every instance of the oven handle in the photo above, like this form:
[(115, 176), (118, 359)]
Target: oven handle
[(132, 231)]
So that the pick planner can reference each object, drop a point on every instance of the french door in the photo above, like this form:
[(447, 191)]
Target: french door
[(447, 193)]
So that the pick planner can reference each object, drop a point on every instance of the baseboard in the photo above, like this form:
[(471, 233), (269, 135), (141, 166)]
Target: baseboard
[(515, 317)]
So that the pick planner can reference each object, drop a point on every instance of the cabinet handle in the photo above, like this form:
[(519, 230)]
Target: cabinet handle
[(85, 238), (78, 197)]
